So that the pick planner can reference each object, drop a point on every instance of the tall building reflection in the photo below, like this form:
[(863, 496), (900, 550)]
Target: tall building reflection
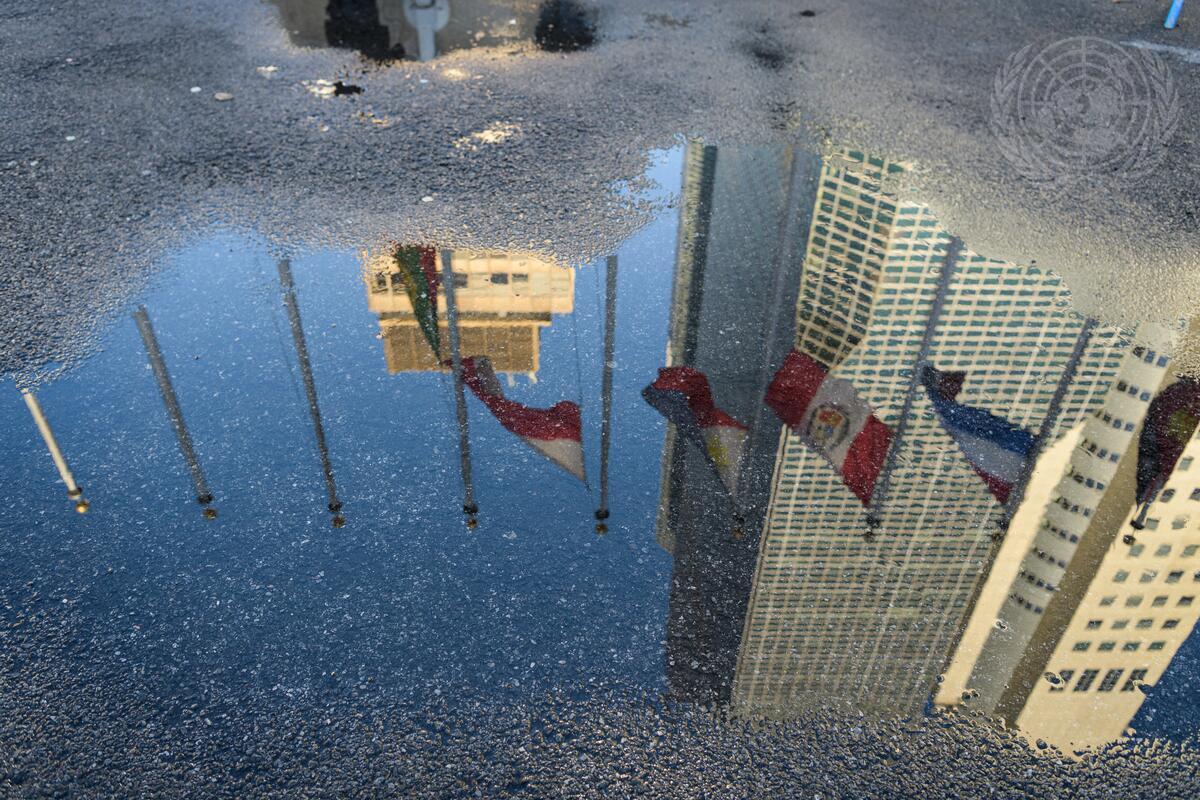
[(722, 312), (805, 611), (504, 301), (1081, 610), (834, 617)]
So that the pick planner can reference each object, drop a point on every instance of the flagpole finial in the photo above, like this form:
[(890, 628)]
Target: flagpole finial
[(206, 500), (601, 529), (1129, 538), (472, 523), (81, 503), (338, 521), (739, 526), (873, 523)]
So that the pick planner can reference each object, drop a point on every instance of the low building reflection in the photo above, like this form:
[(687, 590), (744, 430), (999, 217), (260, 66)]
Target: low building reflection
[(503, 301)]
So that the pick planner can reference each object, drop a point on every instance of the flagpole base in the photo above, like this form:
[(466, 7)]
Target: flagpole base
[(470, 508), (204, 499), (1137, 526), (75, 493)]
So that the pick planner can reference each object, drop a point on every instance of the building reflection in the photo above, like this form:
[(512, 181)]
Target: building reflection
[(504, 301), (388, 29), (1081, 610), (1052, 626), (722, 314)]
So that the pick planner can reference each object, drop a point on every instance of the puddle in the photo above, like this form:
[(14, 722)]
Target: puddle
[(565, 410)]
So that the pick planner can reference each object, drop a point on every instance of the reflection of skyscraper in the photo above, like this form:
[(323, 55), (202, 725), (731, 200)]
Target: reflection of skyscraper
[(732, 262), (1074, 617), (833, 617), (503, 303)]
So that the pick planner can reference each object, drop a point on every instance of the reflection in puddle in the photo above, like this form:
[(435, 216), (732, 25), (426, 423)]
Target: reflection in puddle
[(898, 475), (829, 608), (395, 29)]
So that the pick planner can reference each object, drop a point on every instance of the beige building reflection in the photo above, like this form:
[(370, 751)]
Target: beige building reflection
[(1075, 619), (504, 301)]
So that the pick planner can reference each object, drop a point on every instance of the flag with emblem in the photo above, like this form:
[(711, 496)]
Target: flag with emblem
[(831, 418), (1170, 422), (419, 274), (555, 432), (683, 396), (998, 450)]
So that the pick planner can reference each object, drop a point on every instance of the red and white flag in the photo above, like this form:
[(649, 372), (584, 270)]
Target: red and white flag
[(555, 432), (683, 396), (832, 419)]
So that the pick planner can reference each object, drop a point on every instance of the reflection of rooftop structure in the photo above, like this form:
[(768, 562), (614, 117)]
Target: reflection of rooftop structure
[(834, 617), (1073, 617), (503, 303)]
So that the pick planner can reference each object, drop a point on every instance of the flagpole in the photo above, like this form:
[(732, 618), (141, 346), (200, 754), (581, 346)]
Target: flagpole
[(174, 411), (882, 488), (310, 387), (610, 326), (1049, 422), (470, 508), (43, 425)]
